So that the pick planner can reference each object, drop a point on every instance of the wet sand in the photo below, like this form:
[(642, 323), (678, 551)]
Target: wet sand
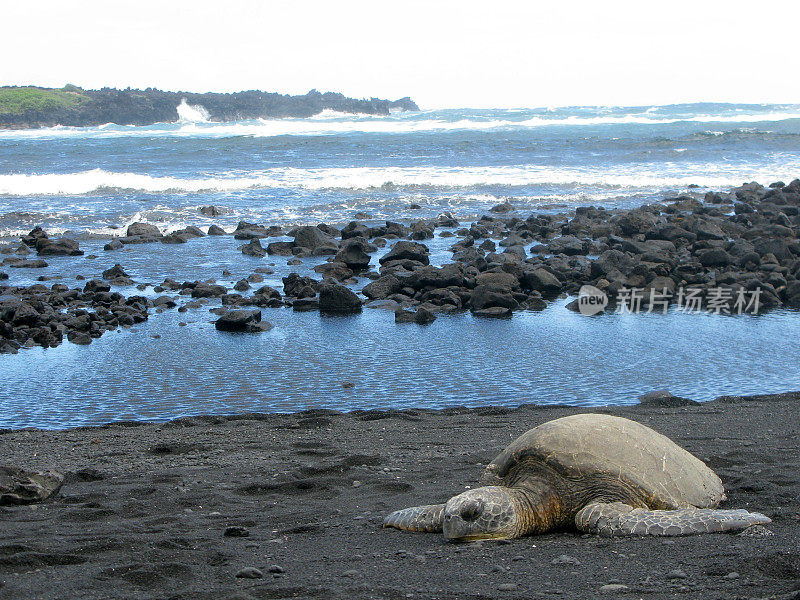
[(145, 509)]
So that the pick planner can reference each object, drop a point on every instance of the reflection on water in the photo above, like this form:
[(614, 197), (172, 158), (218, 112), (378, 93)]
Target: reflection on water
[(550, 357)]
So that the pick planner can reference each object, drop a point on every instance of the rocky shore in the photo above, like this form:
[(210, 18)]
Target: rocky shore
[(290, 506), (84, 108), (723, 251)]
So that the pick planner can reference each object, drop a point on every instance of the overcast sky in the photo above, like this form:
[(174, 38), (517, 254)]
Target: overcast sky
[(441, 53)]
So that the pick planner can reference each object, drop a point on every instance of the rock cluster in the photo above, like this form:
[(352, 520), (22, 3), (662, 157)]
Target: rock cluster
[(745, 240), (242, 320), (728, 244), (39, 241), (147, 233), (43, 316)]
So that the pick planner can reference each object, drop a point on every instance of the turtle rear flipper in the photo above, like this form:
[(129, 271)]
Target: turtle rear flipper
[(617, 518), (425, 519)]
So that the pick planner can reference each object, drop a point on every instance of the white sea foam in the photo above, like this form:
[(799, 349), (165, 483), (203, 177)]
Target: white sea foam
[(194, 124), (98, 180), (192, 113), (335, 114), (631, 178)]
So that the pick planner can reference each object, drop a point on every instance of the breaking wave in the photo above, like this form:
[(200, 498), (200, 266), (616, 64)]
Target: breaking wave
[(392, 179), (189, 113), (194, 122)]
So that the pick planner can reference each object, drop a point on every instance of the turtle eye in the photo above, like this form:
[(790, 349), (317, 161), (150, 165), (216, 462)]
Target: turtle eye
[(471, 510)]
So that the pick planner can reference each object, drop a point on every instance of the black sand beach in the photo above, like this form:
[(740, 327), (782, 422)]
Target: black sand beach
[(146, 507)]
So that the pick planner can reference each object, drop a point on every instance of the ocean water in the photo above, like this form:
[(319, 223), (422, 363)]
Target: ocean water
[(92, 182), (330, 167)]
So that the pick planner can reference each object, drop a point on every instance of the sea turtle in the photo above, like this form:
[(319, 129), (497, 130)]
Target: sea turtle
[(599, 473)]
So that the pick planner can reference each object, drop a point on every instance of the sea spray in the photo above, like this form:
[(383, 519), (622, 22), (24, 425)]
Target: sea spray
[(192, 113)]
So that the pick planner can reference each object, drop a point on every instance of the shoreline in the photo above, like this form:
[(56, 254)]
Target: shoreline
[(657, 399), (178, 509)]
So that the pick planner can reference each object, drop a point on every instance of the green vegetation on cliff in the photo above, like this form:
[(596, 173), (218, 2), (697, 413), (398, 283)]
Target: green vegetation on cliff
[(18, 100), (27, 107)]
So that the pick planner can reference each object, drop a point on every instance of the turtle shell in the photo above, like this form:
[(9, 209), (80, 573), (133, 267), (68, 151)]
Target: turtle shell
[(597, 444)]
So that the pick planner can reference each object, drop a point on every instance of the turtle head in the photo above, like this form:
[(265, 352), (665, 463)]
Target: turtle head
[(483, 513)]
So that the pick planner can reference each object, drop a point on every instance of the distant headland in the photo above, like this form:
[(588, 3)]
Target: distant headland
[(31, 107)]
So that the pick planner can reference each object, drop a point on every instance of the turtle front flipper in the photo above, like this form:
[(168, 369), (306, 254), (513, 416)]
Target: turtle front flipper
[(617, 518), (426, 519)]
